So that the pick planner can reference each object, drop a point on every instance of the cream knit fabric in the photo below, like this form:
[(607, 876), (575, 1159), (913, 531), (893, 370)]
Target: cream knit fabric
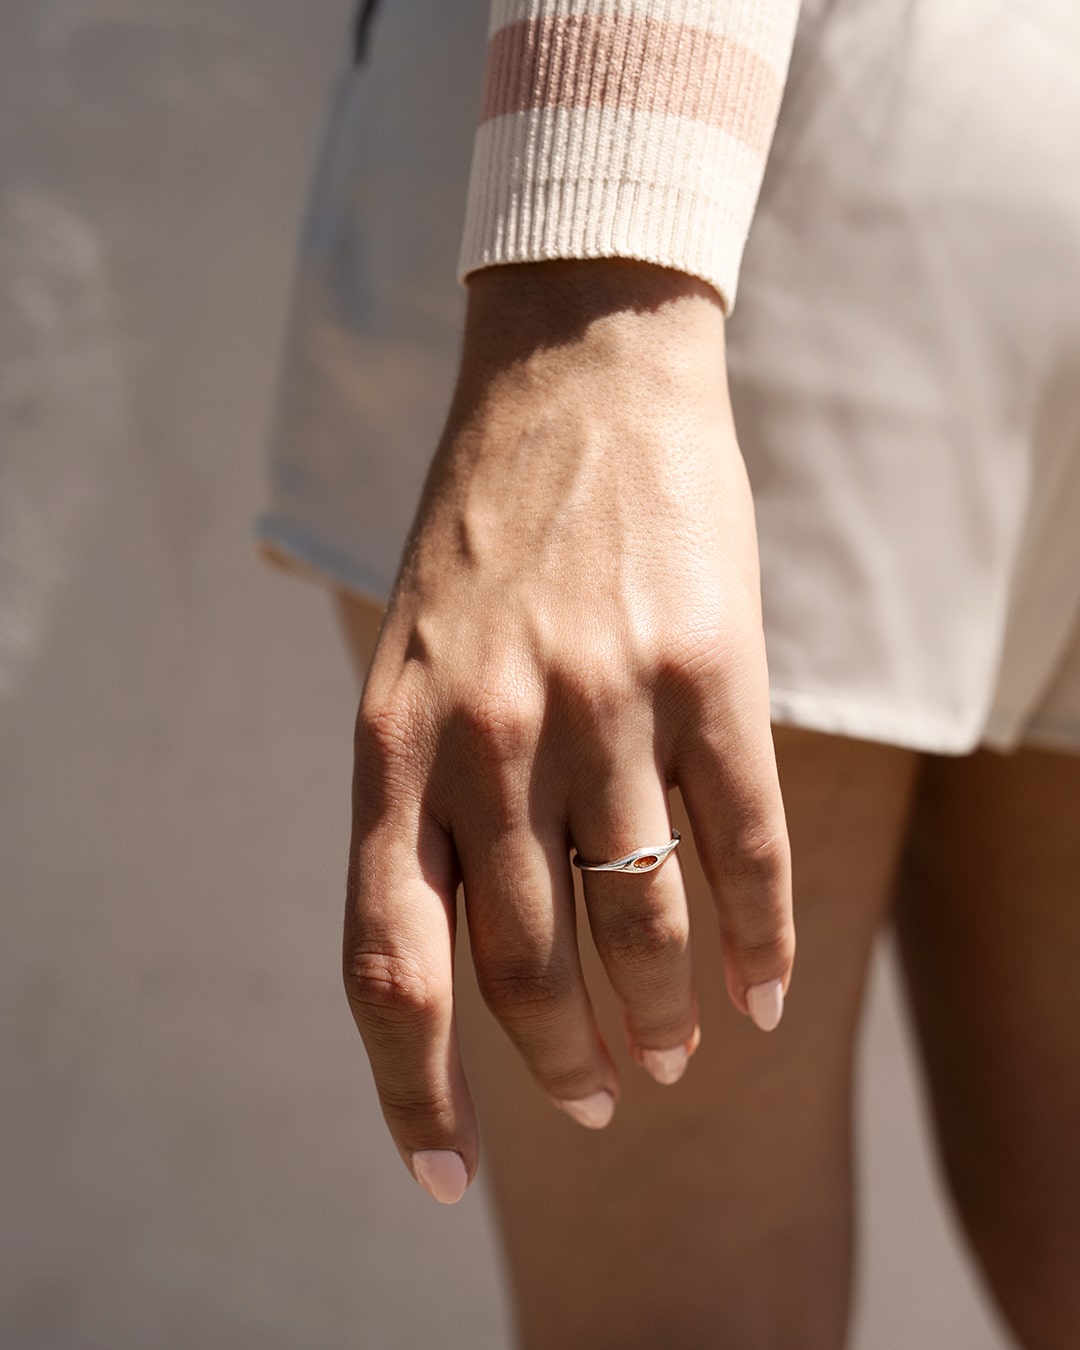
[(626, 128)]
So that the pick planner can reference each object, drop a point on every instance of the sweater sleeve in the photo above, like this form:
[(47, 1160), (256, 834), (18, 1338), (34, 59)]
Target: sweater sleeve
[(626, 128)]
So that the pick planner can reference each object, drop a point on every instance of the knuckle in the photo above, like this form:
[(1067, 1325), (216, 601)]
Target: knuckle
[(569, 1083), (771, 951), (756, 872), (758, 862), (703, 678), (599, 697), (525, 990), (412, 1101), (697, 659), (386, 735), (387, 985), (643, 938), (502, 725)]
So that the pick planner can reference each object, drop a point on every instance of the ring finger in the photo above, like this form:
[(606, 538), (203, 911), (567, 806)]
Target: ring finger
[(640, 920)]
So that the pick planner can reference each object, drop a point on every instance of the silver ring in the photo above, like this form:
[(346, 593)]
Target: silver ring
[(641, 860)]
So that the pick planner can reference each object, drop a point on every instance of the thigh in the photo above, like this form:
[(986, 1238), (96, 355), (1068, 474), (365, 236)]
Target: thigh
[(989, 926), (716, 1212)]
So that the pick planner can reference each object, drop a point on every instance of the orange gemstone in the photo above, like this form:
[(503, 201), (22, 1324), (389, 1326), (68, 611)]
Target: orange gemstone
[(646, 861)]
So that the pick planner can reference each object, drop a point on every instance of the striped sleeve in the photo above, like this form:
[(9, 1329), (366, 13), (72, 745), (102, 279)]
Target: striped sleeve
[(626, 128)]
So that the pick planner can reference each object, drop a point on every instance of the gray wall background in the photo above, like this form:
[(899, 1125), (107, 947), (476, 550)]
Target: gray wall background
[(191, 1152)]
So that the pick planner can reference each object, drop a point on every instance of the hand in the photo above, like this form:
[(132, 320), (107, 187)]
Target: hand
[(576, 627)]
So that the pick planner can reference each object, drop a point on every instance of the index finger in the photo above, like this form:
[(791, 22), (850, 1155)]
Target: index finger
[(400, 920)]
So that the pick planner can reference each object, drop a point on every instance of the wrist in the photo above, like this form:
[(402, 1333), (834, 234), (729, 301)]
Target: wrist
[(612, 311)]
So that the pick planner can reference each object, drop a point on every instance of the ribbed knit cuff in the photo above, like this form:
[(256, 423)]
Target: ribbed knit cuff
[(626, 128)]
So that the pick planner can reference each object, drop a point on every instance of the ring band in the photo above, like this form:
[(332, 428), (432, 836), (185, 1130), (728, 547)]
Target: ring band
[(641, 860)]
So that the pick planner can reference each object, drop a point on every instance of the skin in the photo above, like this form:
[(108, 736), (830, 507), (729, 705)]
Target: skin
[(572, 656), (511, 710), (988, 921)]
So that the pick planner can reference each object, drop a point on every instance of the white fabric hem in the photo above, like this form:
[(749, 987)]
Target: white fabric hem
[(864, 722), (296, 552), (868, 722)]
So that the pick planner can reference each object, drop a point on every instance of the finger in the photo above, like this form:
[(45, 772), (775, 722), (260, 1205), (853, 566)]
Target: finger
[(639, 921), (519, 900), (398, 971), (728, 779)]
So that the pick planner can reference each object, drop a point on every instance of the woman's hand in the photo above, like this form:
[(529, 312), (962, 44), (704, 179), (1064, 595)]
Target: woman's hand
[(576, 627)]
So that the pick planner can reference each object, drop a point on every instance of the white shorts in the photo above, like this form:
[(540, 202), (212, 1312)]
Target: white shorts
[(904, 357)]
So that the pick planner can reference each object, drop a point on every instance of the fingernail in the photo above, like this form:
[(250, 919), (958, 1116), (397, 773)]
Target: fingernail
[(442, 1174), (593, 1112), (766, 1003), (666, 1066)]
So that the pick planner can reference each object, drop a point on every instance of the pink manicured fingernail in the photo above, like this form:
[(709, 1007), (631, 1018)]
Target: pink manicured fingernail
[(666, 1066), (593, 1112), (766, 1004), (442, 1174)]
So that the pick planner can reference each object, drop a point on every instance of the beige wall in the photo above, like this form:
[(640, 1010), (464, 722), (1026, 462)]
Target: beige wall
[(191, 1154)]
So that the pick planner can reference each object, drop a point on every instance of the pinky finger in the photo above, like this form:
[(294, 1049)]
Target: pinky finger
[(738, 821)]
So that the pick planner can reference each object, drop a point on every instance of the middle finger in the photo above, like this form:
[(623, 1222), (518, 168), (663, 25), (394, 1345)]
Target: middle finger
[(519, 903)]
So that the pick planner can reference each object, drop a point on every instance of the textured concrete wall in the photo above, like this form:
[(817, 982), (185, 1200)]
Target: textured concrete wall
[(192, 1155)]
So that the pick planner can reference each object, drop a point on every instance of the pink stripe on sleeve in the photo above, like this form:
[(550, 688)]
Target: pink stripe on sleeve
[(636, 63)]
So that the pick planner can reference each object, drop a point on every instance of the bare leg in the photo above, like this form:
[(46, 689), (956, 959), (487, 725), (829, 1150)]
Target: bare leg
[(716, 1212), (989, 925)]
